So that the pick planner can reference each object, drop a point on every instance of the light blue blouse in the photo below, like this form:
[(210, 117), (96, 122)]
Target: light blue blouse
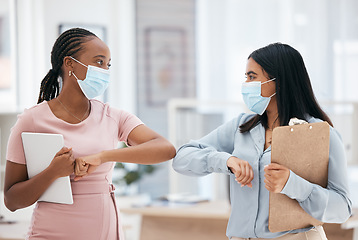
[(250, 206)]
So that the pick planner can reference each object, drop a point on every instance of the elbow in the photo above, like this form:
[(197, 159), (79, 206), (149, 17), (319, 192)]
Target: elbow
[(164, 151), (13, 203), (8, 205), (11, 209), (168, 151), (171, 151), (176, 164), (343, 211), (348, 213), (181, 166)]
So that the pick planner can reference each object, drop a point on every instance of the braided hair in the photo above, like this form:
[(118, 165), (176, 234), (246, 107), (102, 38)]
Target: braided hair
[(67, 44)]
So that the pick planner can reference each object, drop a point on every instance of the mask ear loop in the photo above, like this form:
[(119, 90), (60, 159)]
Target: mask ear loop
[(75, 76), (273, 79), (272, 95), (78, 61)]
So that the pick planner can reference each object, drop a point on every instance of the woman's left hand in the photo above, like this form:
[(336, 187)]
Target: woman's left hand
[(276, 177), (90, 163)]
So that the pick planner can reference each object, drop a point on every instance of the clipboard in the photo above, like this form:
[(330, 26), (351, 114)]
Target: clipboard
[(304, 149)]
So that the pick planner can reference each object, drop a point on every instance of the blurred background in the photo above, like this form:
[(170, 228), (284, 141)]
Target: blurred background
[(178, 65)]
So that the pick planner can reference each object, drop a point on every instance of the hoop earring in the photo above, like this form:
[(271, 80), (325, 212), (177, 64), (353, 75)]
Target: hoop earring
[(69, 73)]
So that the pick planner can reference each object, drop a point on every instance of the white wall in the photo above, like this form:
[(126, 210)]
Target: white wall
[(7, 94), (38, 25)]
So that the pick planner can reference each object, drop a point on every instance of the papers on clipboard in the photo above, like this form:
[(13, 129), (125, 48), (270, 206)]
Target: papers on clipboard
[(304, 149)]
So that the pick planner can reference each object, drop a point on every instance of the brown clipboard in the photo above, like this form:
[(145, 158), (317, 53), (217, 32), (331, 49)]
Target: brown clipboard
[(304, 149)]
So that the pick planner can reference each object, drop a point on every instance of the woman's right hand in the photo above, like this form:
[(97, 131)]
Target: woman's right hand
[(63, 163), (242, 170)]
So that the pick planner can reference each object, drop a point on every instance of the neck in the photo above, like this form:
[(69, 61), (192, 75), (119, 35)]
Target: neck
[(272, 114), (72, 96), (272, 118), (74, 101), (272, 121)]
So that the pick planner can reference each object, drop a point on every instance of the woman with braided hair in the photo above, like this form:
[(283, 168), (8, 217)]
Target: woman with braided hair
[(91, 130)]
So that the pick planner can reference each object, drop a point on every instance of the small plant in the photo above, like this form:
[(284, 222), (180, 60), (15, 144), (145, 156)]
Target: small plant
[(131, 176), (127, 174)]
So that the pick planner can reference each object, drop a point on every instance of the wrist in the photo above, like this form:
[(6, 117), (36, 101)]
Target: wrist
[(51, 173), (229, 163), (103, 156)]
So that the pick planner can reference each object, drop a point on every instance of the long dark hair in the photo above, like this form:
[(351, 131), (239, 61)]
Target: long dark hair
[(294, 92), (67, 44)]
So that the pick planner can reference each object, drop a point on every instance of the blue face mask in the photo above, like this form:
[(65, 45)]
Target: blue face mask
[(251, 92), (96, 81)]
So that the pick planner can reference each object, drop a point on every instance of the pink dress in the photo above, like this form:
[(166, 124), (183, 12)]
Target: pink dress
[(93, 215)]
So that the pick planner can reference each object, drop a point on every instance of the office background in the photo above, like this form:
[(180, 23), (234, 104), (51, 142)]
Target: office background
[(179, 65)]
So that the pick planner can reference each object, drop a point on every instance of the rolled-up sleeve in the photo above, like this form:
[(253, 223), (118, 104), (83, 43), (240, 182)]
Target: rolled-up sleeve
[(208, 154), (331, 204)]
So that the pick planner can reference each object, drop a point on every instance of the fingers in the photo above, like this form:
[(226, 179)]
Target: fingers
[(91, 169), (242, 170), (80, 168), (77, 178), (274, 166), (246, 175), (63, 150), (276, 177)]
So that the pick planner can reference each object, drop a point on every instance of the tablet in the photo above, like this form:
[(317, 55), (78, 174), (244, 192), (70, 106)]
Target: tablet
[(40, 149)]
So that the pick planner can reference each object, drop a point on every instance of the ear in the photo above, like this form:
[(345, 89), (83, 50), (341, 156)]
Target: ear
[(67, 62)]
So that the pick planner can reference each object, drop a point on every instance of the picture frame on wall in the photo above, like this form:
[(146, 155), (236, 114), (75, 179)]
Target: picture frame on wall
[(164, 62)]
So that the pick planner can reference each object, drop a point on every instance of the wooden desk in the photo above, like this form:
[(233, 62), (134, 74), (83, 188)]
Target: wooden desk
[(208, 221), (200, 221), (352, 223)]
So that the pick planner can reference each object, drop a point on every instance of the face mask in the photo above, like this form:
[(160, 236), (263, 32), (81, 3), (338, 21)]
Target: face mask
[(96, 81), (251, 92)]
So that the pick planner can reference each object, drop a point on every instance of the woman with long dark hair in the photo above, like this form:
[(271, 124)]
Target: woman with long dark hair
[(277, 89), (91, 130)]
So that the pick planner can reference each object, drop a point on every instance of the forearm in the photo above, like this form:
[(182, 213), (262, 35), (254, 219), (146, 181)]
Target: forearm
[(25, 193), (151, 152), (329, 204), (194, 159)]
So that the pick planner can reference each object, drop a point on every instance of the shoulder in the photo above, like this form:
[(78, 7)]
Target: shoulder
[(237, 121), (311, 119), (26, 117), (105, 109), (245, 117), (333, 133), (35, 109)]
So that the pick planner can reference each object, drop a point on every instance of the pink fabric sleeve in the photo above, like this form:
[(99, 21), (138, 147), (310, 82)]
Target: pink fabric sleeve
[(126, 123), (15, 150)]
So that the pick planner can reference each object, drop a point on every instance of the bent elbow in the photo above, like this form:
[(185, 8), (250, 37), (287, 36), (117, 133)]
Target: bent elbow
[(175, 163), (171, 151), (340, 215), (349, 212), (9, 206), (180, 166)]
